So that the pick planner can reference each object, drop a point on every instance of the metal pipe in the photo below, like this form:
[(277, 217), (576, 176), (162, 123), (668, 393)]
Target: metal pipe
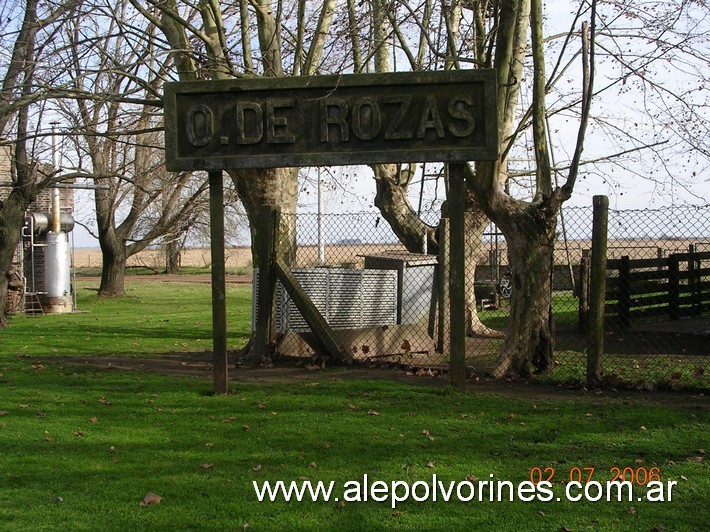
[(75, 186), (56, 212), (321, 243)]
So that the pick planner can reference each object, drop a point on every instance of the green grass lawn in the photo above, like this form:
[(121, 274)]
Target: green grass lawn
[(153, 317), (80, 447)]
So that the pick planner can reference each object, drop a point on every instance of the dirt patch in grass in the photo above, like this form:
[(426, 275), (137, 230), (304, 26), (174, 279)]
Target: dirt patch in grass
[(199, 364), (177, 278)]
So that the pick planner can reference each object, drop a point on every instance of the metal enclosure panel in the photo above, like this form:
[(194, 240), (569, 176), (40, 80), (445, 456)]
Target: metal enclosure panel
[(415, 282), (416, 292), (347, 299), (315, 283)]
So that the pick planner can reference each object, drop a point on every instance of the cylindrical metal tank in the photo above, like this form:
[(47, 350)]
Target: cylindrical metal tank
[(40, 222), (57, 274)]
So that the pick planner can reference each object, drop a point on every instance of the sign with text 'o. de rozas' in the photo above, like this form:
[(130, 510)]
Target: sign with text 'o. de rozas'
[(331, 120)]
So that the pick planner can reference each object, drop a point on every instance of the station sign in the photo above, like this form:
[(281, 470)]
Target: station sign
[(331, 120)]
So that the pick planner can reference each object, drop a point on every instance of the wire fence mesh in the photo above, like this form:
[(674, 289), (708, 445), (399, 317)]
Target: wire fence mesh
[(386, 304)]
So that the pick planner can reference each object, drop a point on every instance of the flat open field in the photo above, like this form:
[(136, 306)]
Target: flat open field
[(351, 254)]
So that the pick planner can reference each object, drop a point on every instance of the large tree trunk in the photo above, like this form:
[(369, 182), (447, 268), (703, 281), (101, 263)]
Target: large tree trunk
[(530, 233), (270, 186), (11, 215), (172, 257), (113, 267), (394, 205)]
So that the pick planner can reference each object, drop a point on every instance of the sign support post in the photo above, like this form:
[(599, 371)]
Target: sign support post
[(219, 299), (457, 276)]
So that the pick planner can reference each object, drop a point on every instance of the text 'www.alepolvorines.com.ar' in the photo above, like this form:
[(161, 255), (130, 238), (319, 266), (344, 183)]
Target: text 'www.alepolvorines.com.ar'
[(435, 490)]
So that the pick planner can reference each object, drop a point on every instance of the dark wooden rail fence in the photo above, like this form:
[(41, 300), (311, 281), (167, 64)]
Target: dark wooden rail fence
[(676, 286)]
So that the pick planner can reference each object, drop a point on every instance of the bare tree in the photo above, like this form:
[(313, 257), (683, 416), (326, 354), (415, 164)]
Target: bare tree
[(291, 39), (116, 129), (411, 32), (22, 90)]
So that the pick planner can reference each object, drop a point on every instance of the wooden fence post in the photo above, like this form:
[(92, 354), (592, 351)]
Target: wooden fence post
[(268, 224), (624, 292), (595, 350), (442, 338), (583, 287), (219, 298), (321, 330), (695, 281), (674, 286)]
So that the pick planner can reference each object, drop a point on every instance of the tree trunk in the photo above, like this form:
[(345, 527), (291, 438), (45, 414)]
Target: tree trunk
[(268, 186), (392, 201), (172, 257), (113, 267), (530, 233), (11, 215)]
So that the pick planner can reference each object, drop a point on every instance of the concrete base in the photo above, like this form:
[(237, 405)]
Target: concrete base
[(362, 344), (57, 305)]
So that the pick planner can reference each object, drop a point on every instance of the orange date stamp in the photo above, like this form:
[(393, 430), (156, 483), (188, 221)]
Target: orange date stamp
[(636, 475)]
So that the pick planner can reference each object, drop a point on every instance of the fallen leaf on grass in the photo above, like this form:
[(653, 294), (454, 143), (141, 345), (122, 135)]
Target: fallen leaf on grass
[(431, 464), (93, 419), (340, 505), (313, 465), (206, 466), (696, 459), (3, 413), (209, 444), (151, 498), (373, 412), (643, 427), (256, 468)]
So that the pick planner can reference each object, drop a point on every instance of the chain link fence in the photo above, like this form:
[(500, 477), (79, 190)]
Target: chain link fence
[(385, 304)]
